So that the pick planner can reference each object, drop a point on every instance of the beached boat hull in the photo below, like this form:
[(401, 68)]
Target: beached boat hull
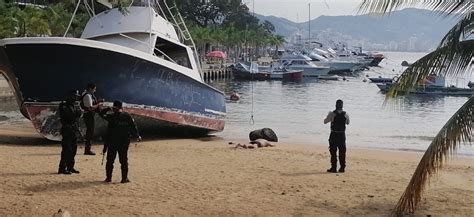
[(160, 97)]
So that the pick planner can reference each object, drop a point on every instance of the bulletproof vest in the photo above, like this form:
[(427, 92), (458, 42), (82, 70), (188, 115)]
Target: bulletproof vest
[(67, 114), (94, 100), (339, 122)]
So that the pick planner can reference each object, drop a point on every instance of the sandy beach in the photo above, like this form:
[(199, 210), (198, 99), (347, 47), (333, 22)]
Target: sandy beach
[(207, 177)]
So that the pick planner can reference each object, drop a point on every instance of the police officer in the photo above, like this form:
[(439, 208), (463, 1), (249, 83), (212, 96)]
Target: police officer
[(337, 140), (91, 105), (121, 127), (69, 115)]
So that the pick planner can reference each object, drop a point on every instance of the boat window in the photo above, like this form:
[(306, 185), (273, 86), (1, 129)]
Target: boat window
[(172, 52)]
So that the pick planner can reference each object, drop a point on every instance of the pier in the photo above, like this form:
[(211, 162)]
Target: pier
[(216, 72)]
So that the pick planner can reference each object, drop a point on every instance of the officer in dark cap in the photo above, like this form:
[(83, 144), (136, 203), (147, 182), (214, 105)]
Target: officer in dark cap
[(337, 139), (121, 127), (69, 115)]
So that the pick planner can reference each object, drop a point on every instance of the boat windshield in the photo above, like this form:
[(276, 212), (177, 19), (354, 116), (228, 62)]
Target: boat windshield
[(172, 52)]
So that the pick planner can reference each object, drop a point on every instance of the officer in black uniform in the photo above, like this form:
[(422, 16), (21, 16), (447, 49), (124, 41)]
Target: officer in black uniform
[(121, 127), (69, 115), (337, 140)]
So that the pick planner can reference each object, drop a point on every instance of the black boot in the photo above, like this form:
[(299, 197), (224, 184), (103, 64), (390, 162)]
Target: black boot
[(333, 151), (125, 175), (342, 169), (108, 172), (87, 151), (64, 171), (342, 158), (73, 171), (333, 168)]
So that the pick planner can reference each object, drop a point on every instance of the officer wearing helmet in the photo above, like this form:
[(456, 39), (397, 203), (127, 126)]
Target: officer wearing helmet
[(69, 115)]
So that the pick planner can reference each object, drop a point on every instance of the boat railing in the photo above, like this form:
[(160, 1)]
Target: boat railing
[(183, 30)]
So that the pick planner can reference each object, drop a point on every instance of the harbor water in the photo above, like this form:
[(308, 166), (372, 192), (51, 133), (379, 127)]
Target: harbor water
[(296, 110)]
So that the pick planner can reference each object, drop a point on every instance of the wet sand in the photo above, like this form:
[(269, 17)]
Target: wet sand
[(208, 177)]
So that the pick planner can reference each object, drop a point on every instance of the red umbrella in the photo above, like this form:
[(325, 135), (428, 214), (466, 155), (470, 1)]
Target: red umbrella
[(217, 54)]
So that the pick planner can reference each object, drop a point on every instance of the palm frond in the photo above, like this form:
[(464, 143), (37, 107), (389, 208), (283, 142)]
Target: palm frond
[(446, 6), (458, 130), (444, 61), (460, 31)]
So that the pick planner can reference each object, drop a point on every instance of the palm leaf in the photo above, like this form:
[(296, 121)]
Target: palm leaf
[(463, 29), (444, 61), (458, 130), (446, 6)]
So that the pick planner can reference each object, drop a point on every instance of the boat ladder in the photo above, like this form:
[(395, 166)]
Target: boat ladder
[(184, 33)]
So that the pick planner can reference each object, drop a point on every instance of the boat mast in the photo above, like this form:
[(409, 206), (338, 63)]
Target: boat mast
[(309, 23)]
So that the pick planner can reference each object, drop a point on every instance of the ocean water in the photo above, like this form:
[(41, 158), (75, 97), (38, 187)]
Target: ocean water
[(296, 110)]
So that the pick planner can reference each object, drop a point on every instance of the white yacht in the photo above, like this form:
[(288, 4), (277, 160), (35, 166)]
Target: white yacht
[(304, 63)]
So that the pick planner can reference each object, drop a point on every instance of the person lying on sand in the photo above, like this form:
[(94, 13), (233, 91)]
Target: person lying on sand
[(259, 143), (244, 146)]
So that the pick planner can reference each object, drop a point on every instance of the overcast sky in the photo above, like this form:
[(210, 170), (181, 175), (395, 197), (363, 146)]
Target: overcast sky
[(297, 10)]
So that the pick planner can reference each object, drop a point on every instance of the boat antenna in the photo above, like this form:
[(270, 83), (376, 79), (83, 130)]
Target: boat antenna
[(89, 9), (309, 24), (72, 18), (252, 70)]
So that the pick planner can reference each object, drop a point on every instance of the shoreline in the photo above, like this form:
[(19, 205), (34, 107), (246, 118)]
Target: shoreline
[(207, 177), (26, 124), (401, 150)]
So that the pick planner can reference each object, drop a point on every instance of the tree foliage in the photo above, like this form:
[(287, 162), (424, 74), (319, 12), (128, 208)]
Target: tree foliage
[(224, 24)]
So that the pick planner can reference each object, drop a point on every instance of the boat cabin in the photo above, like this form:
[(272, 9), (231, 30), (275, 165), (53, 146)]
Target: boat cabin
[(141, 29)]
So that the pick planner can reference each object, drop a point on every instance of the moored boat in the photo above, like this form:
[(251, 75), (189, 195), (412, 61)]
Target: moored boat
[(329, 77), (297, 61), (452, 91), (244, 71), (381, 79), (433, 85), (139, 60), (376, 59), (286, 75)]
